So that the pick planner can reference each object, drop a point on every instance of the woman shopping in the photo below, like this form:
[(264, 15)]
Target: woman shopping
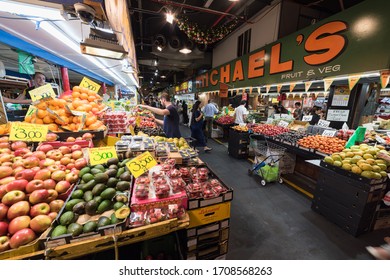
[(197, 126)]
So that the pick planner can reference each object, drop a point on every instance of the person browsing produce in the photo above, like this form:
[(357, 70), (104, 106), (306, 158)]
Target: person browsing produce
[(241, 113), (171, 116), (209, 111), (197, 126)]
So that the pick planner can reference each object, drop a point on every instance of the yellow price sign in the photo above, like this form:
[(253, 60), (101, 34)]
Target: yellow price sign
[(91, 85), (42, 92), (28, 132), (101, 155), (141, 164), (131, 128)]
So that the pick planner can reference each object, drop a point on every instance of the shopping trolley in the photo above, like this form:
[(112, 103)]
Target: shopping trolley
[(267, 155)]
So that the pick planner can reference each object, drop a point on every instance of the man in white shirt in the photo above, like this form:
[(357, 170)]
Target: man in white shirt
[(241, 113)]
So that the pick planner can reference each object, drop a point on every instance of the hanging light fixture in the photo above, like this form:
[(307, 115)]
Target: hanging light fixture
[(169, 17)]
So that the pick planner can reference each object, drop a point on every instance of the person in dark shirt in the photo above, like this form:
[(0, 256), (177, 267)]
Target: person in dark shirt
[(298, 111), (185, 113), (316, 113), (171, 116), (197, 126)]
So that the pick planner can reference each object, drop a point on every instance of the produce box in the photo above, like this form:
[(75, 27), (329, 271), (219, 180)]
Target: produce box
[(164, 247), (203, 240), (144, 204), (81, 143), (209, 214), (209, 252), (298, 125), (191, 232), (98, 134)]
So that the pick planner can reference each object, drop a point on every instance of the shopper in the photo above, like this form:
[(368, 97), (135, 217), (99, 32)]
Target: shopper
[(185, 112), (316, 112), (209, 111), (382, 252), (197, 126), (241, 113), (171, 116), (298, 111)]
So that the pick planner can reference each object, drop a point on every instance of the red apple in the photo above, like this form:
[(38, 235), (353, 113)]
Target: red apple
[(58, 175), (7, 164), (21, 208), (12, 197), (51, 137), (3, 211), (30, 162), (39, 209), (53, 194), (6, 180), (5, 151), (71, 177), (3, 191), (21, 152), (53, 215), (22, 237), (40, 223), (39, 196), (5, 171), (27, 174), (34, 185), (79, 138), (4, 243), (80, 163), (49, 184), (70, 166), (65, 150), (46, 162), (17, 185), (18, 169), (36, 169), (3, 228), (70, 139), (62, 186), (18, 144), (19, 223), (53, 168), (77, 154), (17, 163), (45, 148), (56, 205), (43, 174), (6, 158), (5, 145), (54, 154), (65, 160), (39, 154), (75, 171), (26, 155), (75, 147), (87, 136), (62, 167)]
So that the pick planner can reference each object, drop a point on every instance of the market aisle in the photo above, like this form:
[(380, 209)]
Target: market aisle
[(275, 222)]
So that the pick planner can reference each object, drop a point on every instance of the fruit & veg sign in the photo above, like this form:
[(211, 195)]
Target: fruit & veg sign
[(42, 92), (101, 155), (141, 164), (28, 132)]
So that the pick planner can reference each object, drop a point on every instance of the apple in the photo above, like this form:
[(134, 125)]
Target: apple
[(3, 191), (51, 136), (22, 237), (34, 185), (12, 197), (70, 166), (43, 174), (3, 228), (17, 185), (42, 208), (6, 180), (18, 144), (7, 164), (30, 162), (87, 136), (21, 208), (5, 171), (53, 168), (5, 145), (40, 223), (70, 139), (53, 194), (79, 138), (80, 163), (6, 158), (26, 155), (4, 139), (5, 151), (27, 174), (21, 152), (39, 154), (3, 211), (65, 160), (56, 205), (46, 162), (62, 167), (62, 186), (71, 177), (19, 223), (77, 154), (53, 215), (58, 175), (18, 169), (65, 150), (39, 196), (75, 147), (49, 184), (45, 148), (54, 154), (17, 163), (4, 243)]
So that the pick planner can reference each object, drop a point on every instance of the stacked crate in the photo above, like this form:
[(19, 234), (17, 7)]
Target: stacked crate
[(238, 144)]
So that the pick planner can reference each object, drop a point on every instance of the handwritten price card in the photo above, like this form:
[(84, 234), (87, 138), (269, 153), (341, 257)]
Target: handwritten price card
[(141, 164), (101, 155), (42, 92), (28, 132), (91, 85)]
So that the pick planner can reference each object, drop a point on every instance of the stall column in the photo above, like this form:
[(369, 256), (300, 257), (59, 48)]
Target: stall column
[(65, 79)]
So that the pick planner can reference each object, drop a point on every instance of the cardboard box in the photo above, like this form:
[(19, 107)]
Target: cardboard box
[(209, 253), (296, 125), (209, 214), (208, 228)]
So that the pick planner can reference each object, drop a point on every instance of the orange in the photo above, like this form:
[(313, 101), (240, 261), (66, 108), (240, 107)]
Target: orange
[(87, 108), (62, 103), (84, 96), (84, 90), (27, 118), (75, 94), (42, 113), (91, 93), (95, 110), (41, 105), (91, 98), (76, 119), (47, 119), (76, 103), (38, 121), (2, 130), (52, 127), (90, 120), (76, 88)]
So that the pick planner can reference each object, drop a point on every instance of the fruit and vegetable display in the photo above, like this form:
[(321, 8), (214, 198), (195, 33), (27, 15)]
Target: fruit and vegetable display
[(241, 128), (323, 144), (344, 134), (291, 136), (364, 160), (269, 129), (225, 120), (99, 200), (151, 131), (254, 118)]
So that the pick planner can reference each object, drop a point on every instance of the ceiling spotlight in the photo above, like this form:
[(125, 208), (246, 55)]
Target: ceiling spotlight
[(159, 48), (185, 50), (155, 73), (163, 77), (169, 17), (155, 62), (234, 0)]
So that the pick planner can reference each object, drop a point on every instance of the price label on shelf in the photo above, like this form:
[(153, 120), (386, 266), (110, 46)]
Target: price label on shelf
[(329, 133), (283, 124), (91, 85), (101, 155), (42, 92), (141, 164), (307, 118), (323, 123), (28, 132)]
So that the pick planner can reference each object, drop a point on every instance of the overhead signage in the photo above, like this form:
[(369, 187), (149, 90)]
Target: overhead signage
[(42, 92), (341, 96), (89, 84), (339, 45), (337, 115), (223, 90)]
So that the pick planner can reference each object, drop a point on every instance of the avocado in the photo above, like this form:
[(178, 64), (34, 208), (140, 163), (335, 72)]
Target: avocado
[(58, 230), (112, 161), (111, 183), (113, 167), (80, 185), (90, 226), (77, 194), (122, 213), (79, 208), (69, 205), (100, 167), (126, 176), (121, 197), (97, 190), (104, 221), (83, 171), (98, 199), (120, 171), (88, 196), (90, 207), (67, 218), (95, 171), (88, 186), (123, 163), (87, 177), (123, 185), (108, 193), (75, 229), (104, 206), (101, 178), (110, 172), (118, 205), (114, 219)]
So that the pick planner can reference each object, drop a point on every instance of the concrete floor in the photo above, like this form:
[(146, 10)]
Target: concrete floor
[(276, 223)]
